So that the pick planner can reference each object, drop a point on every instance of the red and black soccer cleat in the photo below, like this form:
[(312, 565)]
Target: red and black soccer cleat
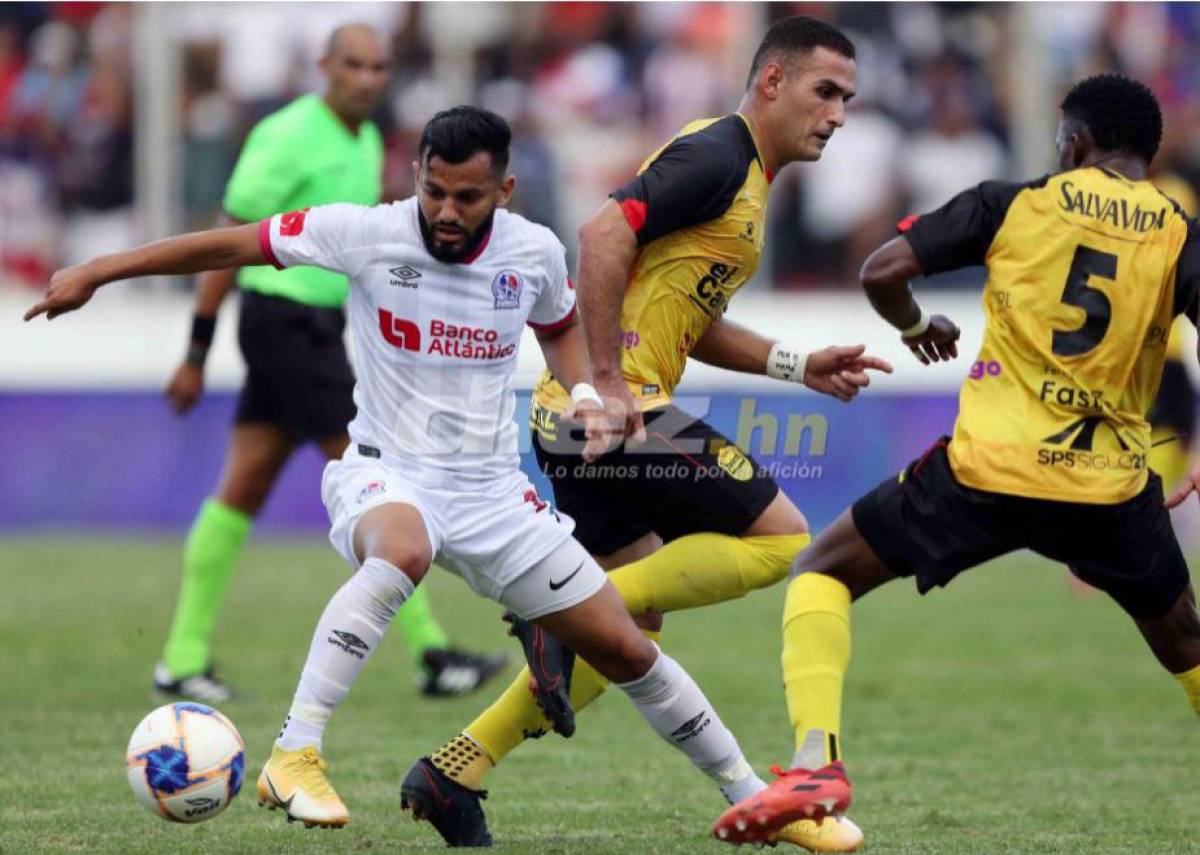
[(793, 795), (551, 663), (453, 809)]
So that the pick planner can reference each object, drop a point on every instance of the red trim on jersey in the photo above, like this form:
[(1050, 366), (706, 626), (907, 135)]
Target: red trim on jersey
[(479, 249), (264, 243), (635, 213), (907, 223), (770, 175), (554, 327)]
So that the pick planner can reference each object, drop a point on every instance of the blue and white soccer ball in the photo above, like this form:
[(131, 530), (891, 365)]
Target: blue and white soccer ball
[(185, 762)]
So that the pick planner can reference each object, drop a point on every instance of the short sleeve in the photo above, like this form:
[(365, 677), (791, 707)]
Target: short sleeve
[(325, 236), (959, 233), (1187, 276), (555, 304), (693, 180), (265, 177)]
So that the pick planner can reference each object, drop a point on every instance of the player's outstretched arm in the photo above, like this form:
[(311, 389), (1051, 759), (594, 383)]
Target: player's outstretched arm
[(884, 276), (607, 247), (840, 370), (72, 287), (186, 385)]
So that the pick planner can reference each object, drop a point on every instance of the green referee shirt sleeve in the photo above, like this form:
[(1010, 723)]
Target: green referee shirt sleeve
[(266, 176)]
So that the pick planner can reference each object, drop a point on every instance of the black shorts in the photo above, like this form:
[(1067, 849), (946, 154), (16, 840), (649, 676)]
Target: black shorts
[(297, 374), (687, 478), (926, 524)]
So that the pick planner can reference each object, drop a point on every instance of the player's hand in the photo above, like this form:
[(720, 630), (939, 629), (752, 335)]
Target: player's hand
[(596, 429), (185, 388), (841, 370), (938, 343), (1190, 485), (624, 417), (69, 289)]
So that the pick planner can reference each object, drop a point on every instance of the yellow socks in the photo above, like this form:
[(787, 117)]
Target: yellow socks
[(701, 569), (515, 716), (1190, 680), (816, 652), (462, 761)]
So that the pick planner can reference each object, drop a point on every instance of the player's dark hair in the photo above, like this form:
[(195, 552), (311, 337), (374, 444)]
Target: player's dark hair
[(458, 134), (1121, 113), (797, 35)]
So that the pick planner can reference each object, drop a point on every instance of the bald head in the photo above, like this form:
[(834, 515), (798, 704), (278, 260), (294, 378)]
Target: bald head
[(348, 36), (356, 65)]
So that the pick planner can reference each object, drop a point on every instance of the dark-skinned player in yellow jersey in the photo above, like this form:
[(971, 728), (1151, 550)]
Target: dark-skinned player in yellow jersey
[(659, 262), (1087, 269)]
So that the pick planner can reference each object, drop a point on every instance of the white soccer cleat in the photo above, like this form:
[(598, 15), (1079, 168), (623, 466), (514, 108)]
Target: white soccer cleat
[(296, 782)]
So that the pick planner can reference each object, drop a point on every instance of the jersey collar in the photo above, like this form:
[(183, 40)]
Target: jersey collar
[(757, 151)]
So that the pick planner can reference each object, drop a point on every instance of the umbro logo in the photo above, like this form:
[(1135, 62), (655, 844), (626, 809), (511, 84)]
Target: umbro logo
[(406, 277), (349, 642), (691, 728)]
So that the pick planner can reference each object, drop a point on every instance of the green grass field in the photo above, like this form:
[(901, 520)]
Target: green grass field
[(1003, 715)]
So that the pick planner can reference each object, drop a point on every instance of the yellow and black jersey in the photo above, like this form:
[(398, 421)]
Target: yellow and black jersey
[(1086, 272), (698, 206)]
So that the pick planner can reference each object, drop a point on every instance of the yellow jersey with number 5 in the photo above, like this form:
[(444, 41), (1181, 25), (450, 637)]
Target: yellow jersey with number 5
[(1086, 270)]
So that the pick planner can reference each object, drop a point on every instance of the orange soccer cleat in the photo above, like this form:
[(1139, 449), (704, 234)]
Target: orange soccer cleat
[(793, 795)]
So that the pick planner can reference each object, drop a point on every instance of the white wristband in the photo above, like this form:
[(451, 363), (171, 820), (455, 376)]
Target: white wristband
[(786, 362), (585, 392), (918, 328)]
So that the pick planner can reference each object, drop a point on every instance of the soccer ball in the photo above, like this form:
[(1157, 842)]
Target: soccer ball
[(185, 762)]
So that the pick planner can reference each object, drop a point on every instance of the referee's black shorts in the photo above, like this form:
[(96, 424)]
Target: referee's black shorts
[(687, 478), (925, 524), (297, 373)]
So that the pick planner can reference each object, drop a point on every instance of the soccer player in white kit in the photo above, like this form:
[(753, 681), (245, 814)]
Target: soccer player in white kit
[(441, 286)]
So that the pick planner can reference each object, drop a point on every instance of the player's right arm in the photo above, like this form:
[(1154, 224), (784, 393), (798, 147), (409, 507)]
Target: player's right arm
[(607, 248), (212, 287), (692, 180), (215, 249)]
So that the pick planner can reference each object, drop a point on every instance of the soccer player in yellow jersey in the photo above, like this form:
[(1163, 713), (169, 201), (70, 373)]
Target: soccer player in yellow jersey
[(658, 265), (1087, 269)]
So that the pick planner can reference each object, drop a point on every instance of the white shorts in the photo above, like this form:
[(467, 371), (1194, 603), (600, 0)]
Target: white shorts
[(489, 534)]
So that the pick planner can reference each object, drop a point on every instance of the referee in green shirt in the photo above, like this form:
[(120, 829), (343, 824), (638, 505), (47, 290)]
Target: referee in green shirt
[(317, 150)]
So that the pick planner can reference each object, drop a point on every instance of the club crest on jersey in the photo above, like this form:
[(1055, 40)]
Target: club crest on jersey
[(506, 290)]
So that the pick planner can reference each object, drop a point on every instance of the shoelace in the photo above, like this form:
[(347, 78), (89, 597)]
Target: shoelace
[(780, 772), (311, 769)]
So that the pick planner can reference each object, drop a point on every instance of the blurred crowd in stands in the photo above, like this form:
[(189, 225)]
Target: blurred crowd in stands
[(590, 90)]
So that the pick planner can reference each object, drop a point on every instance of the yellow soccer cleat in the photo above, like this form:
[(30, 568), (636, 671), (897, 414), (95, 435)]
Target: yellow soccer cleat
[(831, 835), (296, 782)]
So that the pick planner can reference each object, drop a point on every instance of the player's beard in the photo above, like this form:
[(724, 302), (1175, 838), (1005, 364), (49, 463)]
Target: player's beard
[(449, 254)]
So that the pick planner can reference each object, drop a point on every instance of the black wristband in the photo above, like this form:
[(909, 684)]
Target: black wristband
[(203, 330), (202, 335)]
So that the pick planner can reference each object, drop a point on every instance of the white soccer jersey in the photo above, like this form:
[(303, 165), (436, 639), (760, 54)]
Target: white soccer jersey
[(435, 343)]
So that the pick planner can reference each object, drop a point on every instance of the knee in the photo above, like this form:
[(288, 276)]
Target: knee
[(773, 557), (649, 621), (245, 496), (401, 552), (631, 658)]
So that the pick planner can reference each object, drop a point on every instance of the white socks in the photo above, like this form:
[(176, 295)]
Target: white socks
[(348, 632), (679, 712)]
